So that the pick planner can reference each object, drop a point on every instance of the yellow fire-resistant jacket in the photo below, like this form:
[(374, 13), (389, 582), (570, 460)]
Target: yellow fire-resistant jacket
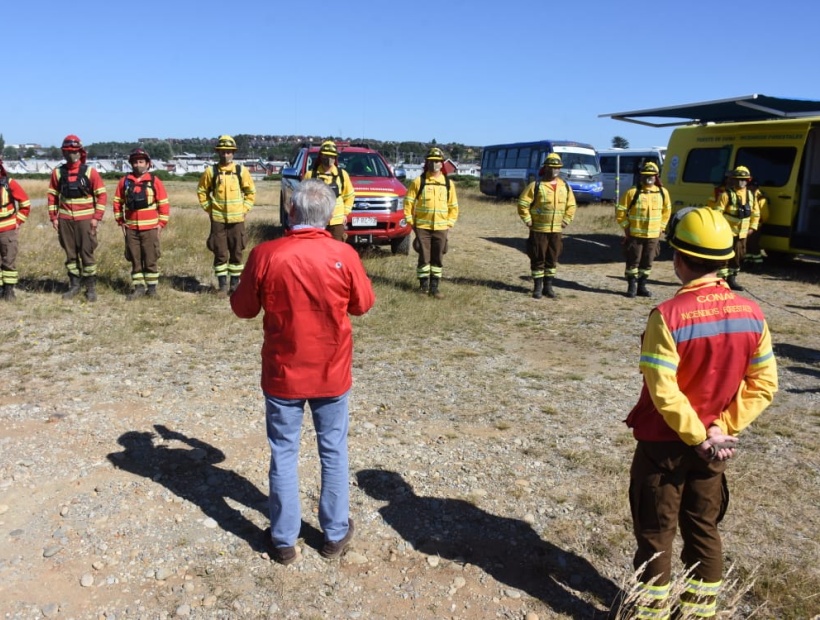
[(346, 193), (728, 203), (552, 208), (647, 218), (232, 195), (436, 208)]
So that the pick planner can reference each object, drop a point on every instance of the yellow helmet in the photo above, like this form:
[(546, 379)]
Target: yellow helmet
[(650, 167), (435, 154), (741, 172), (553, 160), (701, 232), (225, 143), (329, 148)]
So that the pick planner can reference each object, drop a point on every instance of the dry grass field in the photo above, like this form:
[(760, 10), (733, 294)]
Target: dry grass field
[(489, 461)]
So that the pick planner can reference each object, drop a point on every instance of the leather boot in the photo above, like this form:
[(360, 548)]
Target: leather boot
[(152, 290), (73, 286), (732, 282), (632, 287), (538, 288), (434, 282), (139, 291), (548, 288), (8, 292), (234, 284), (223, 283), (424, 286), (91, 288), (642, 290)]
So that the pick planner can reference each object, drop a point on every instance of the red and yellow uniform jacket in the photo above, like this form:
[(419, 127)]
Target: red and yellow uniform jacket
[(14, 205), (141, 203), (706, 358), (647, 218), (731, 203), (306, 283), (75, 197), (549, 211), (437, 206), (339, 182)]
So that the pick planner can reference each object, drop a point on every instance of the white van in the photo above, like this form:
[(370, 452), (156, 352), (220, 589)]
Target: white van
[(618, 168)]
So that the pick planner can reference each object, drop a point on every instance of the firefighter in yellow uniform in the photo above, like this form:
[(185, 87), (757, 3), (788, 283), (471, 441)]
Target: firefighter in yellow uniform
[(741, 208), (326, 168), (226, 192), (431, 208), (546, 206), (643, 214)]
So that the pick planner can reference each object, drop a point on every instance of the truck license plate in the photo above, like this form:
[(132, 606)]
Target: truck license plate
[(363, 221), (362, 239)]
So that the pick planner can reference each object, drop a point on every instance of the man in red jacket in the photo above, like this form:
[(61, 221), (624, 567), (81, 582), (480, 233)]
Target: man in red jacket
[(709, 371), (307, 283), (14, 210), (76, 205)]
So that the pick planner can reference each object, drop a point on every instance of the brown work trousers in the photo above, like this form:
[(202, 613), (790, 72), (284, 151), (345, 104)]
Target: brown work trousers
[(640, 253), (227, 242), (142, 250), (543, 249), (8, 250), (431, 246), (79, 242), (337, 231), (736, 261), (671, 486)]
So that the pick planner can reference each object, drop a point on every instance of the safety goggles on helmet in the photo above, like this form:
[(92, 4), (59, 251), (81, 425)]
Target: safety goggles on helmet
[(650, 168), (553, 161), (435, 154), (225, 143), (741, 172), (328, 148)]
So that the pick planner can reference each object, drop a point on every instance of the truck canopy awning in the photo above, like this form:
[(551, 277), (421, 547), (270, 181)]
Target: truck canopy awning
[(748, 108)]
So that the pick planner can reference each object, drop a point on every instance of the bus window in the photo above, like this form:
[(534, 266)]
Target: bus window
[(608, 163), (770, 166), (707, 165), (523, 158), (534, 160), (512, 158), (488, 162), (500, 160)]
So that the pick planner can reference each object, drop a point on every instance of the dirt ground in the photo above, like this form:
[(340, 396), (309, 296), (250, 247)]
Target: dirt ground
[(488, 460)]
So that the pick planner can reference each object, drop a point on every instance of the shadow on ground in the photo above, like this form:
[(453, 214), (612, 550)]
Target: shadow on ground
[(509, 550)]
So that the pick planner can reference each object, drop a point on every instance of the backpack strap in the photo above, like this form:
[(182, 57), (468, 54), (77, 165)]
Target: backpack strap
[(216, 173), (447, 183)]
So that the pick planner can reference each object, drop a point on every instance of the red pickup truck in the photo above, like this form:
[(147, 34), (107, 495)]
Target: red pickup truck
[(378, 211)]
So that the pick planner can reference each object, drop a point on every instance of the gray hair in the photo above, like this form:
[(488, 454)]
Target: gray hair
[(313, 203)]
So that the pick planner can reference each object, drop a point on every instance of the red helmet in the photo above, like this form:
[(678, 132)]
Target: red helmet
[(139, 154), (72, 143)]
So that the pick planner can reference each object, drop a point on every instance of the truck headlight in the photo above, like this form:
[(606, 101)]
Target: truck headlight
[(397, 204)]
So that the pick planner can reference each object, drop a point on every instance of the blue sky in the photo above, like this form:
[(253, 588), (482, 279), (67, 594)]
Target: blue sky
[(472, 72)]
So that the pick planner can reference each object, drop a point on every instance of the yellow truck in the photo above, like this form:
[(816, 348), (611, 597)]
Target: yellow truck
[(777, 139)]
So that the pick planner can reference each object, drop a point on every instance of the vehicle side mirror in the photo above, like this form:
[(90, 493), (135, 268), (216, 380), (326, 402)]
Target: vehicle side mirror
[(401, 175), (291, 173)]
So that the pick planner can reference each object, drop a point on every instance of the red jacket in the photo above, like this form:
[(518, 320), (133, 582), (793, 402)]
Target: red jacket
[(156, 210), (307, 283), (14, 206), (90, 205)]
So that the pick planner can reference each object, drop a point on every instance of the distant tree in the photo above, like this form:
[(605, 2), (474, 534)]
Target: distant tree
[(159, 150), (433, 142), (10, 153), (620, 143), (31, 152), (2, 143), (54, 153)]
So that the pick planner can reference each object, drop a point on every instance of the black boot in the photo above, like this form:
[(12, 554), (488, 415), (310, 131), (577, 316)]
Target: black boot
[(73, 287), (732, 282), (632, 287), (538, 288), (548, 288), (642, 290), (223, 283), (434, 282), (424, 286), (152, 290), (91, 288), (139, 291), (8, 292), (234, 284)]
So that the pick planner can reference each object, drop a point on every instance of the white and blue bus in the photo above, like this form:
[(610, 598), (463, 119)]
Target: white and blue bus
[(506, 169)]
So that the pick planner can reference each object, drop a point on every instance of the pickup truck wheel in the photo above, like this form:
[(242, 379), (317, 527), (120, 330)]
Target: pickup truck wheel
[(400, 245)]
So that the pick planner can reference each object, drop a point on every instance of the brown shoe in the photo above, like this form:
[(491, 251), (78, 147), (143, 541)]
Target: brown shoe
[(334, 549), (280, 555)]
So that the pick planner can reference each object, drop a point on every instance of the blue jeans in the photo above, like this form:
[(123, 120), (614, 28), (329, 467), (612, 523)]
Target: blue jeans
[(284, 424)]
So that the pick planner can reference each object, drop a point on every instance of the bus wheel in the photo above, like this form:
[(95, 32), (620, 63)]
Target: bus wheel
[(499, 193)]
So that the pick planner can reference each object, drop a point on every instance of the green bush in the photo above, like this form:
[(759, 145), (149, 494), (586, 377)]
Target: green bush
[(272, 177)]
